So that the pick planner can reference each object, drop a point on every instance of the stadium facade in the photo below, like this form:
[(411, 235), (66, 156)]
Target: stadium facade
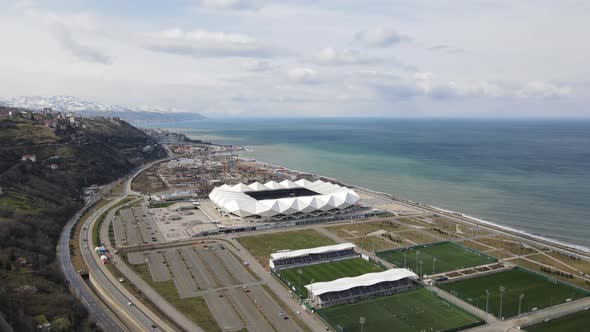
[(366, 286), (275, 201), (290, 259)]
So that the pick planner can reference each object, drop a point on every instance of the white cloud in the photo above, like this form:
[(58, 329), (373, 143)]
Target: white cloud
[(258, 65), (379, 37), (446, 48), (78, 50), (302, 75), (539, 89), (330, 56), (232, 4), (203, 43)]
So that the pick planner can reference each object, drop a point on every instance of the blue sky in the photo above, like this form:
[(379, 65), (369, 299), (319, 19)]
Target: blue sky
[(414, 58)]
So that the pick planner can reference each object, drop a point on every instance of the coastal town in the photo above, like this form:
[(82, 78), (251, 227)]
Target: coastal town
[(207, 240)]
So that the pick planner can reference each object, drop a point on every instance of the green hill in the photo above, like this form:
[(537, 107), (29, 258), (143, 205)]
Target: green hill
[(38, 197)]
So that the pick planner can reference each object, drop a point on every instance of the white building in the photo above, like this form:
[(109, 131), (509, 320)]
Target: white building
[(280, 201), (351, 290)]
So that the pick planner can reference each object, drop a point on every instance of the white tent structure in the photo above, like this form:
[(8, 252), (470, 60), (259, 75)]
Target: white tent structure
[(330, 199)]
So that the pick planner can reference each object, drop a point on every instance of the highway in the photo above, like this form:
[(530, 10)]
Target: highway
[(102, 314)]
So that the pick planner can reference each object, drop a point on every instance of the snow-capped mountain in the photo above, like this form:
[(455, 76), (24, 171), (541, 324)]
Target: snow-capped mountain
[(88, 108)]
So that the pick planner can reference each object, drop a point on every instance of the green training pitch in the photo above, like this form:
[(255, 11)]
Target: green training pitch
[(449, 256), (415, 310), (539, 291), (327, 272), (574, 322)]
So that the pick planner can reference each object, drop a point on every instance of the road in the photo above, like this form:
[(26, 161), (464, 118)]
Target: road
[(140, 317), (103, 316)]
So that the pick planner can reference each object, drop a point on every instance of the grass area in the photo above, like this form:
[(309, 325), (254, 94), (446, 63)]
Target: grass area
[(572, 261), (194, 308), (262, 245), (361, 229), (539, 292), (449, 256), (476, 246), (327, 272), (508, 245), (20, 202), (416, 310), (574, 322), (373, 243), (161, 205), (417, 237), (543, 259), (576, 281)]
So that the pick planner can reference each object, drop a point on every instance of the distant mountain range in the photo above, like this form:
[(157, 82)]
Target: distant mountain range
[(141, 114)]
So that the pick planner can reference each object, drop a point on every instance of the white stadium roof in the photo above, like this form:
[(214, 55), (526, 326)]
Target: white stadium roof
[(317, 250), (368, 279), (233, 199)]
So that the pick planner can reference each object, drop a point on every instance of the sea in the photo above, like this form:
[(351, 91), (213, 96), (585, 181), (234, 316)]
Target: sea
[(533, 176)]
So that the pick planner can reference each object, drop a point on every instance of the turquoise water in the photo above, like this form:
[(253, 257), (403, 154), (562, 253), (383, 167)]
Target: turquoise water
[(529, 175)]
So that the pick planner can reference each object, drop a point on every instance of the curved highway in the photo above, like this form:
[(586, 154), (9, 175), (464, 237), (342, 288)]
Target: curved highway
[(104, 317)]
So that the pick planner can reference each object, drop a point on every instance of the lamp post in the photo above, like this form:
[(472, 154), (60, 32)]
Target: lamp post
[(299, 272), (433, 262), (421, 274), (362, 320), (487, 301), (520, 303), (502, 289)]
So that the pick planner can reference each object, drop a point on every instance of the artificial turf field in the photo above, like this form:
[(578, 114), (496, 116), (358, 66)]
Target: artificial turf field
[(539, 292), (449, 256), (327, 272), (579, 321), (415, 310)]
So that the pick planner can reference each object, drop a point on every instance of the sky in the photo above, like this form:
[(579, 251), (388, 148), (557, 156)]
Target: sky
[(311, 58)]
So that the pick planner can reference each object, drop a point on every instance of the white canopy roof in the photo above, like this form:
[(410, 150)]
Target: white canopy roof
[(369, 279), (317, 250), (233, 199)]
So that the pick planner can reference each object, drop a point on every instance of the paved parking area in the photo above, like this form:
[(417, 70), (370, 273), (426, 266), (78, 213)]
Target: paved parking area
[(181, 276), (203, 279), (158, 268)]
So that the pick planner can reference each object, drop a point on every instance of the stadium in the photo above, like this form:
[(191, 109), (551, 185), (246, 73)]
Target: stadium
[(275, 201), (351, 290), (290, 259)]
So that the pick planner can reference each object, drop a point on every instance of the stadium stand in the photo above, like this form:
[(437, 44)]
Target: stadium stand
[(366, 286), (290, 259)]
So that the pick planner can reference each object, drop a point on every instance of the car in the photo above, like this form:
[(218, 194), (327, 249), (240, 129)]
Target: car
[(129, 303), (85, 247)]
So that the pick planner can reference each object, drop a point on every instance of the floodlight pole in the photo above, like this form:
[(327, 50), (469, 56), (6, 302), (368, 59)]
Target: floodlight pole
[(417, 253), (520, 303), (433, 262), (362, 320), (403, 253), (487, 301), (421, 274), (299, 271), (502, 289)]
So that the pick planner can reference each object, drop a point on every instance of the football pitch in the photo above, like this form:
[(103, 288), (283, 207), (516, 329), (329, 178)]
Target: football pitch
[(327, 272), (574, 322), (415, 310), (537, 292), (436, 258)]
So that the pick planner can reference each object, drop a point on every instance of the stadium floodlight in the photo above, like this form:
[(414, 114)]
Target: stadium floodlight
[(502, 289), (520, 302), (433, 262), (362, 320), (421, 274), (487, 300), (299, 272), (417, 253), (403, 253)]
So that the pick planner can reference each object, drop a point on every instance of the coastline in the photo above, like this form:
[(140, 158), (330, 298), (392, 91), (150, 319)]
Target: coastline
[(465, 217)]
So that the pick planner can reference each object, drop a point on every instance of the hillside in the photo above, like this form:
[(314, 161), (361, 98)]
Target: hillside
[(39, 194), (85, 108)]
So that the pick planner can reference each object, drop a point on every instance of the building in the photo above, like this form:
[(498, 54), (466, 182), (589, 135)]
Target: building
[(351, 290), (289, 259), (274, 201), (30, 157)]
